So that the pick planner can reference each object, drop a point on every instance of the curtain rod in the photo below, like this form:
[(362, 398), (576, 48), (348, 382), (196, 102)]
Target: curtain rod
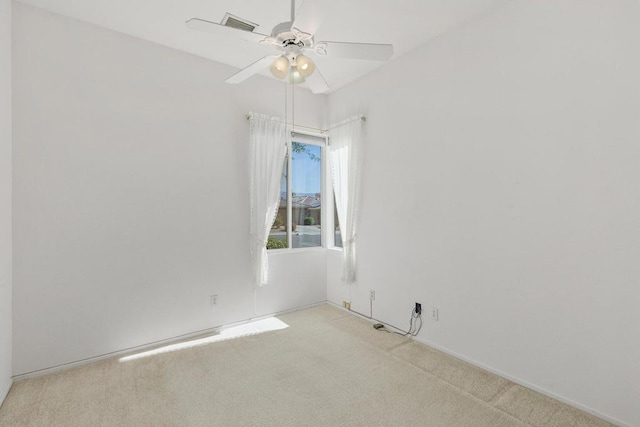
[(344, 122), (294, 125), (349, 120)]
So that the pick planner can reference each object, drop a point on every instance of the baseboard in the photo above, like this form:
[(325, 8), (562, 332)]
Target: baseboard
[(428, 343), (522, 382), (148, 346), (497, 372), (5, 391)]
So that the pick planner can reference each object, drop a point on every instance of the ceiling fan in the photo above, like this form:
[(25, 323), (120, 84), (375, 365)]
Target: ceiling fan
[(293, 40)]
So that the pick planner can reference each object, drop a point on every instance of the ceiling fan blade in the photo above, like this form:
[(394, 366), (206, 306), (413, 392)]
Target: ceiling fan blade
[(372, 51), (223, 30), (252, 69), (317, 83), (312, 13)]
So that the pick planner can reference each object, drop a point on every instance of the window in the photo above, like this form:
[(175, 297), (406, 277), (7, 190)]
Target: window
[(298, 223)]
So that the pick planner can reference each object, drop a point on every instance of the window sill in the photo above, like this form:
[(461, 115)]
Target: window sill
[(294, 250)]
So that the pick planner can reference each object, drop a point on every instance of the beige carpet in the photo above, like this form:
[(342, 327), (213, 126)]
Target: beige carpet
[(328, 368)]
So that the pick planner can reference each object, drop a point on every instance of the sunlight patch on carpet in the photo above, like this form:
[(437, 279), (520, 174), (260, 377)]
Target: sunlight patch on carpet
[(248, 329)]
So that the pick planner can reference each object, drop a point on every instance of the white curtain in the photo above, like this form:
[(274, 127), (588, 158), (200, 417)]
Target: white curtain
[(268, 150), (345, 151)]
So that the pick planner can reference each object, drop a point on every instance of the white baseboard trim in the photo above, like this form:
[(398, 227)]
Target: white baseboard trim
[(148, 346), (5, 391), (428, 343), (522, 382), (497, 372)]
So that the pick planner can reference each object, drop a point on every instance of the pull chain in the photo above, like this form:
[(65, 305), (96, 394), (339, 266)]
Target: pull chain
[(293, 105)]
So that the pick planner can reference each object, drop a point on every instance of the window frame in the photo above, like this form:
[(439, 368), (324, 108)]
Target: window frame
[(327, 237)]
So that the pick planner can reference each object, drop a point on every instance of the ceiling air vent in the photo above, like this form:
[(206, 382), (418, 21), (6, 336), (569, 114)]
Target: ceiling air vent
[(233, 21)]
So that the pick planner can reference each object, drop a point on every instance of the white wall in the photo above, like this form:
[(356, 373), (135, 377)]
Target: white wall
[(502, 185), (5, 197), (131, 194)]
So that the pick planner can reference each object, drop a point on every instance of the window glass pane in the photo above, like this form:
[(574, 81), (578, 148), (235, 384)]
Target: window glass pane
[(278, 234), (338, 236), (306, 185)]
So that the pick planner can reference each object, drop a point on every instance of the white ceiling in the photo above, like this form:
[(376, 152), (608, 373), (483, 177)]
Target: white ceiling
[(406, 24)]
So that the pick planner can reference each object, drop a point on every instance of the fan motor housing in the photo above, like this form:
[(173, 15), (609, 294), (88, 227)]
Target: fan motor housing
[(286, 39)]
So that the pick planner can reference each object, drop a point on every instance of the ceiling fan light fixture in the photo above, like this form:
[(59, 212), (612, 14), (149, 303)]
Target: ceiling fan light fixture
[(280, 67), (290, 41), (305, 65), (295, 76)]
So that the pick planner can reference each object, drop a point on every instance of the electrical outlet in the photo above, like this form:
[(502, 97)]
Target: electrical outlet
[(434, 313), (214, 299), (372, 295), (346, 305), (418, 308)]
